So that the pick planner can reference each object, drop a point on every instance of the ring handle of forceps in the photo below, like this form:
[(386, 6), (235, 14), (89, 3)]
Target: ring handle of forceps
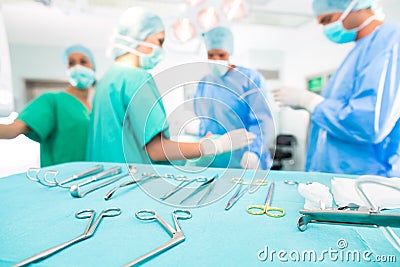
[(148, 215), (239, 180), (260, 210)]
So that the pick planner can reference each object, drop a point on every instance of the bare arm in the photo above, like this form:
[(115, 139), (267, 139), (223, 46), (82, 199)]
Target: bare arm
[(10, 131), (161, 148)]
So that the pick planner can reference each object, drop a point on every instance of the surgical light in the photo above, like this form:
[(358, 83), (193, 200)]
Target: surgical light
[(184, 30), (234, 9), (208, 18), (195, 2)]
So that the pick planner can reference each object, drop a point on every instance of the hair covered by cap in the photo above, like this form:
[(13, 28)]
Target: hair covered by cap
[(331, 6), (219, 38), (137, 23), (81, 50)]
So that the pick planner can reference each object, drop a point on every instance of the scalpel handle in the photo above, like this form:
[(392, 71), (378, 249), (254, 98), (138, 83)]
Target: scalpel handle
[(92, 170)]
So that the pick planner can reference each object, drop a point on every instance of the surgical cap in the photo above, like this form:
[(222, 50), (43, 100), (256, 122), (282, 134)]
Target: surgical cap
[(81, 50), (219, 38), (331, 6), (136, 23)]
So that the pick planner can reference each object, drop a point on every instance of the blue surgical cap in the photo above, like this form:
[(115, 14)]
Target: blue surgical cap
[(79, 49), (331, 6), (219, 38), (136, 23)]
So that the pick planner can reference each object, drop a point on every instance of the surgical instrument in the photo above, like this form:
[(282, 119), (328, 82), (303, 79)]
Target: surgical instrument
[(239, 192), (176, 233), (210, 184), (183, 184), (145, 178), (74, 189), (43, 181), (90, 171), (89, 232), (76, 193), (266, 209)]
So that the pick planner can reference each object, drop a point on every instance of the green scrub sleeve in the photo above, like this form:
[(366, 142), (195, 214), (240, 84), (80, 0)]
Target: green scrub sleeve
[(39, 116), (147, 114)]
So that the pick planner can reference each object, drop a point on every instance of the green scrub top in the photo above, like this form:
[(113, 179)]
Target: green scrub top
[(127, 114), (60, 123)]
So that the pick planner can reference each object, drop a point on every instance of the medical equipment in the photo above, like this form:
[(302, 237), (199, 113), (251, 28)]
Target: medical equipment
[(209, 185), (239, 192), (183, 184), (33, 175), (145, 178), (90, 171), (74, 190), (176, 233), (371, 216), (266, 209), (42, 180), (89, 232)]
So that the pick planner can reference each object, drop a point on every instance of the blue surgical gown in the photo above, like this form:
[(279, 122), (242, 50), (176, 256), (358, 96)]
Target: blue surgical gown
[(236, 100), (356, 129), (127, 114)]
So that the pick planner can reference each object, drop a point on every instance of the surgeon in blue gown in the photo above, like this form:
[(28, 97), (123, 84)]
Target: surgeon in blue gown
[(233, 97), (355, 126)]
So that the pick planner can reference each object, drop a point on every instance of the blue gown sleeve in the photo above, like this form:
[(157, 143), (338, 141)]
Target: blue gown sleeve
[(372, 110), (260, 120)]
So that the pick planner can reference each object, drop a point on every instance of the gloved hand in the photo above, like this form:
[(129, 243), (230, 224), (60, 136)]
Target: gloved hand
[(297, 99), (249, 160), (229, 141)]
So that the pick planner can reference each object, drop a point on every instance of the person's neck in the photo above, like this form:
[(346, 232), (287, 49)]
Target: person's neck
[(81, 95), (370, 28), (129, 60)]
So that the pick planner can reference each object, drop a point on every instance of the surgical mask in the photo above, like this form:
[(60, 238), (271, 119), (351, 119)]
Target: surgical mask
[(81, 77), (218, 67), (336, 32), (146, 61)]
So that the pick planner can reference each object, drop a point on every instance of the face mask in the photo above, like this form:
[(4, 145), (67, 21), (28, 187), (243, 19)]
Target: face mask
[(336, 32), (218, 67), (81, 77), (146, 61)]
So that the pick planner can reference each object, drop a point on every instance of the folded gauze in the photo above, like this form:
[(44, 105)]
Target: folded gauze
[(317, 196), (344, 192)]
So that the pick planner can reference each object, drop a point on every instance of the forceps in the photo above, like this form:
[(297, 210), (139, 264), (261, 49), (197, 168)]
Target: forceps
[(183, 184), (266, 208), (209, 183), (145, 178), (238, 194), (176, 233), (89, 232)]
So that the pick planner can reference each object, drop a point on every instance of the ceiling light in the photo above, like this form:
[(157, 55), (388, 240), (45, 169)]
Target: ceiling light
[(234, 9), (184, 30), (195, 2), (208, 18)]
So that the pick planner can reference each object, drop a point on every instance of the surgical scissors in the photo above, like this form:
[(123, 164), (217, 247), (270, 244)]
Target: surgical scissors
[(210, 184), (266, 208), (89, 232), (176, 233), (183, 184), (239, 192)]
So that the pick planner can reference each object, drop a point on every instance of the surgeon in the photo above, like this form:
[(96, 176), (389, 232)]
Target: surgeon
[(232, 97), (355, 126), (128, 122), (59, 121)]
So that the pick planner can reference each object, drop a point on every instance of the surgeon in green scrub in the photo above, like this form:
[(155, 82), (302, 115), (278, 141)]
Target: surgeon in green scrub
[(59, 121), (128, 122)]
